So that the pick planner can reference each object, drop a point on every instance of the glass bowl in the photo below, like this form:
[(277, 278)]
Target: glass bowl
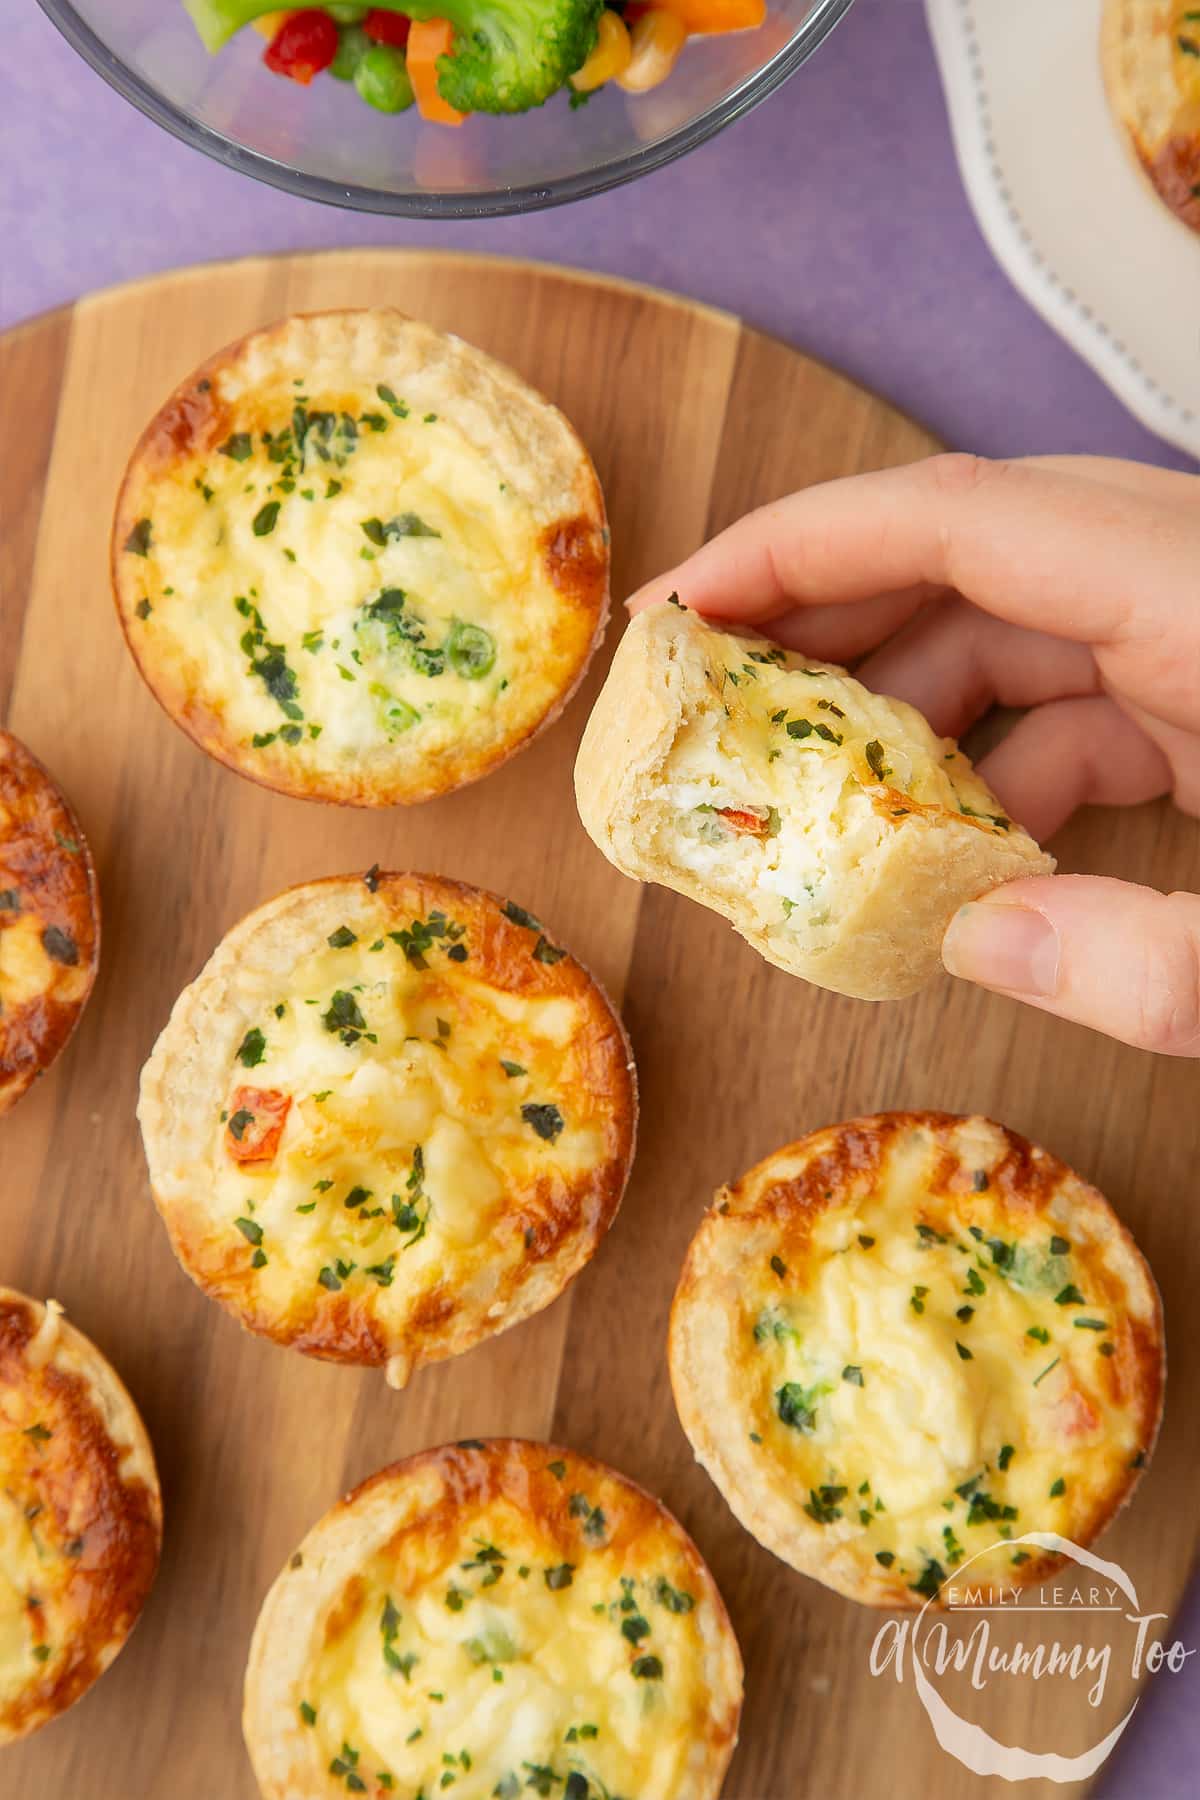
[(321, 142)]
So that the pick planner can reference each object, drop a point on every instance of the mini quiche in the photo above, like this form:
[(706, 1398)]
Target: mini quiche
[(904, 1343), (359, 561), (390, 1118), (80, 1514), (1151, 54), (49, 921), (497, 1619), (830, 825)]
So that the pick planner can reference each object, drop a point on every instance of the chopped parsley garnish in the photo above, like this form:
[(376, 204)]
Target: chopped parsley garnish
[(379, 531), (342, 938), (964, 1354), (853, 1374), (1057, 1487), (519, 916), (917, 1299), (779, 1266), (343, 1015), (406, 1214), (930, 1580), (647, 1668), (238, 447), (346, 1766), (308, 1713), (60, 946), (39, 1433), (559, 1577), (138, 541), (263, 523), (676, 1600), (1069, 1296), (1039, 1334), (885, 1558), (796, 1405), (252, 1049), (239, 1122), (822, 1505), (1059, 1246), (545, 1119), (981, 1506), (546, 952), (875, 762), (512, 1069), (399, 407), (1004, 1456)]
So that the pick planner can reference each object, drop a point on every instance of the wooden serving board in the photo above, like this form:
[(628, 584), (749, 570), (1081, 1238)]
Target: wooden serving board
[(692, 419)]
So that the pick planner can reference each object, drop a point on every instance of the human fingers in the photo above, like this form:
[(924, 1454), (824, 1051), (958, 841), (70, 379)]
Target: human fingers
[(953, 662), (1120, 958), (1074, 753), (1079, 558)]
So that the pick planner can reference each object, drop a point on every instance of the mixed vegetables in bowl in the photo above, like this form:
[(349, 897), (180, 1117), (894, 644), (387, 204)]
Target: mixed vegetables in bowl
[(451, 58)]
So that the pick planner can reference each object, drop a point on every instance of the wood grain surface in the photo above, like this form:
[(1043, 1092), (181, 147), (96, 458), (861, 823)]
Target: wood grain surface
[(692, 419)]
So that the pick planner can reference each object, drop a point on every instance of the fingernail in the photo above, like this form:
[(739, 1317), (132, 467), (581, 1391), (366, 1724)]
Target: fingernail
[(1001, 946)]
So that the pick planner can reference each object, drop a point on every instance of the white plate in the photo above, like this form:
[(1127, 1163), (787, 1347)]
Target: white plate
[(1061, 202)]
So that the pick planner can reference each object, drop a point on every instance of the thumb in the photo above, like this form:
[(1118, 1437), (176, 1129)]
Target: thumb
[(1123, 959)]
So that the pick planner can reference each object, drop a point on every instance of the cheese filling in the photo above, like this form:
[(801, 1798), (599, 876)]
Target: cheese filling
[(344, 573), (934, 1387), (797, 783), (484, 1662), (388, 1109)]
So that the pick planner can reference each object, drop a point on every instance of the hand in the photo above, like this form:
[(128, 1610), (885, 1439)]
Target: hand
[(1066, 585)]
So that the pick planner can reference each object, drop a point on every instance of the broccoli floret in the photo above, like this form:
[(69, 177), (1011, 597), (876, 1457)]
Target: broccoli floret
[(510, 55)]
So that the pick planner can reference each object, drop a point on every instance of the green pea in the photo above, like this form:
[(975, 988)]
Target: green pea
[(471, 650), (382, 79), (343, 13), (353, 44)]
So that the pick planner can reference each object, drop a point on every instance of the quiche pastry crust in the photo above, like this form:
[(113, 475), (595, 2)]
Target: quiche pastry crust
[(80, 1514), (1151, 55), (502, 1610), (830, 825), (903, 1341), (49, 921), (358, 560), (391, 1117)]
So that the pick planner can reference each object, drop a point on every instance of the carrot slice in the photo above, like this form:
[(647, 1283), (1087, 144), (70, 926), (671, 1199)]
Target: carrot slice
[(716, 15), (429, 39), (257, 1117)]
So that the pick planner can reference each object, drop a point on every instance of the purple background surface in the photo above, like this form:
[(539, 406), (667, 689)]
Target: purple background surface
[(834, 217)]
